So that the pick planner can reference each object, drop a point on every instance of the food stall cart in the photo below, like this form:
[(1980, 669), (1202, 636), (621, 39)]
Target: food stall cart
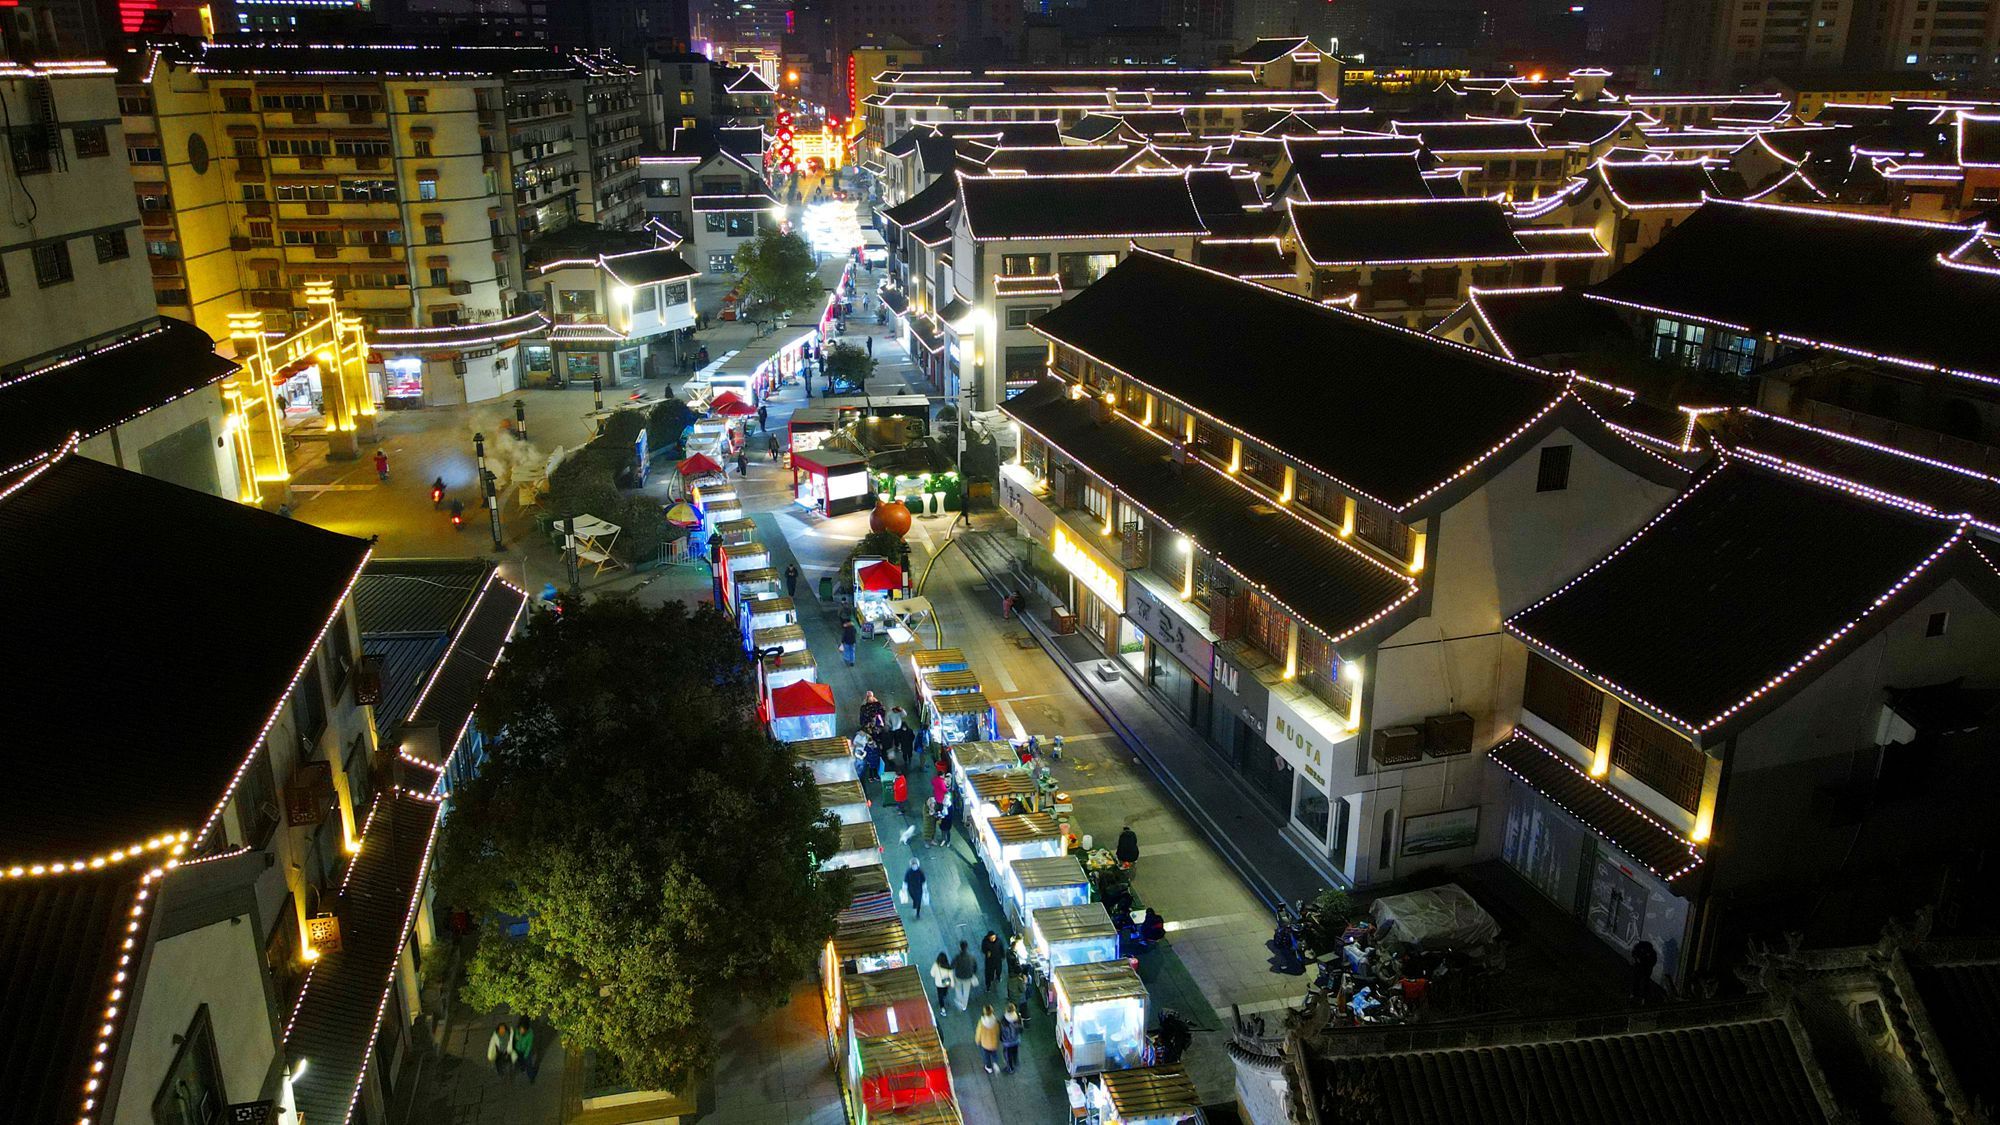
[(719, 511), (845, 800), (930, 1113), (785, 638), (756, 582), (799, 710), (956, 681), (778, 669), (859, 847), (1005, 839), (1147, 1095), (736, 532), (966, 717), (1035, 884), (753, 614), (899, 1071), (708, 490), (876, 582), (936, 660), (1100, 1015), (993, 793), (971, 758), (809, 428), (1073, 935), (832, 482), (867, 936), (830, 759), (866, 1004)]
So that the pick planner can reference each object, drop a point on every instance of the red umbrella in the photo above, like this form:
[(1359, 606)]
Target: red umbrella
[(698, 464), (881, 576), (724, 398), (733, 409), (801, 697)]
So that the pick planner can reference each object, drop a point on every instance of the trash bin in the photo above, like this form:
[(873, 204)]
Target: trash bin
[(826, 587)]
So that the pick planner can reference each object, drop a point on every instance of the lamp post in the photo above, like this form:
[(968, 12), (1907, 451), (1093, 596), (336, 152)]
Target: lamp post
[(521, 418), (597, 394), (479, 459), (493, 511)]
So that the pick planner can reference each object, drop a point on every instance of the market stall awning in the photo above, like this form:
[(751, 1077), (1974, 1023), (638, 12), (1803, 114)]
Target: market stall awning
[(680, 515), (733, 409), (802, 697), (883, 575), (698, 464)]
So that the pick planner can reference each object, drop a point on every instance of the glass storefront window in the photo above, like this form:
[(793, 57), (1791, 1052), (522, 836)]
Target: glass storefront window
[(1132, 647), (581, 366), (1270, 777), (1311, 811)]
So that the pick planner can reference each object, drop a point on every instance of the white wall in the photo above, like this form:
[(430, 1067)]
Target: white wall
[(220, 965), (125, 445)]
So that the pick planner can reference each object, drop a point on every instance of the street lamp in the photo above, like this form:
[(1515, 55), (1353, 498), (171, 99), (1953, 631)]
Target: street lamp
[(521, 418), (479, 458), (597, 393)]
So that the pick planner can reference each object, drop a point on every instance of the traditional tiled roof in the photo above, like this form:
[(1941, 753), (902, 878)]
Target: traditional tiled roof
[(1579, 126), (1698, 616), (1331, 585), (1439, 230), (166, 755), (333, 1026), (1005, 134), (416, 595), (938, 197), (1738, 1062), (1472, 137), (1261, 260), (380, 60), (1633, 830), (1648, 184), (1060, 159), (412, 612), (1961, 998), (59, 947), (649, 267), (453, 692), (1978, 139), (1271, 50), (720, 201), (1390, 413), (1374, 177), (1853, 283), (1526, 324), (104, 387), (1025, 207)]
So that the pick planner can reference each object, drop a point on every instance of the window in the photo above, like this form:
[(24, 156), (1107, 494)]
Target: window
[(52, 264), (31, 155), (721, 263), (237, 102), (368, 191), (163, 248), (1937, 624), (1267, 626), (1658, 758), (663, 189), (418, 103), (306, 193), (90, 140), (1022, 265), (309, 702), (192, 1092), (260, 231), (135, 105), (1565, 702), (420, 148), (1553, 476), (1019, 318), (427, 189), (1079, 270), (252, 193), (440, 276), (360, 148), (257, 810), (433, 234), (687, 97), (111, 245)]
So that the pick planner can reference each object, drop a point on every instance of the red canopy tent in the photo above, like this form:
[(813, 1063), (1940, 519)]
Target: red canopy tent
[(699, 464), (882, 575), (730, 404), (801, 697)]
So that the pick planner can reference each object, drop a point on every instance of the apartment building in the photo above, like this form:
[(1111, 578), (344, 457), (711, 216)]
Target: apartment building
[(82, 348), (1717, 44), (689, 91), (1957, 39), (1309, 559)]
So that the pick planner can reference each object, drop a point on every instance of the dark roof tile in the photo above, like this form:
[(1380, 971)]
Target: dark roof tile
[(1438, 230), (106, 387), (1391, 413), (1657, 847), (1001, 207), (196, 660)]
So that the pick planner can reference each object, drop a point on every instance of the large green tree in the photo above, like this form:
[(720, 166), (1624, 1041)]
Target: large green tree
[(848, 363), (779, 271), (660, 845)]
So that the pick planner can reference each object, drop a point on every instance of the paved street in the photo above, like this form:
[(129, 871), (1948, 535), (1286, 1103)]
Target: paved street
[(776, 1063)]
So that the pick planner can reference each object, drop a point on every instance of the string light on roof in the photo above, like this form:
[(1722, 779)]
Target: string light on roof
[(173, 843), (128, 947), (1694, 856)]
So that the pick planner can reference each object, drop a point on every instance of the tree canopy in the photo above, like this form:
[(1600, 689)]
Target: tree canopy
[(779, 271), (659, 843), (849, 364)]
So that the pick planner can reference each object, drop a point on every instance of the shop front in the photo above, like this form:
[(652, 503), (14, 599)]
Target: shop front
[(1306, 735), (1176, 653), (1096, 595), (1239, 704)]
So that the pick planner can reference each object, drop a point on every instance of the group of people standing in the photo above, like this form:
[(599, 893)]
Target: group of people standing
[(995, 1033), (513, 1050)]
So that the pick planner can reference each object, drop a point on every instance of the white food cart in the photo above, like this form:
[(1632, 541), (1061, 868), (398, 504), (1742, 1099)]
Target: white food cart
[(1100, 1015)]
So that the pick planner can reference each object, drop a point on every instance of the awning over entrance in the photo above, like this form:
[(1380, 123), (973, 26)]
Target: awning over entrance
[(1660, 849)]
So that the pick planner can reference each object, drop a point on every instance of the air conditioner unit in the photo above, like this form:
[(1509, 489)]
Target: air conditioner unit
[(1395, 746), (1446, 735)]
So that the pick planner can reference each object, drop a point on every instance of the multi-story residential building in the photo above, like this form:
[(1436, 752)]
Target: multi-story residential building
[(866, 61), (669, 179), (1309, 559), (1956, 39), (1413, 262), (82, 348), (229, 909), (1716, 44), (686, 92), (619, 305)]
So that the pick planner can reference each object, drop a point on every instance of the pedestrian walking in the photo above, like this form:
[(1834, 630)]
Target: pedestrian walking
[(940, 787), (913, 882), (947, 819), (500, 1050), (871, 347), (524, 1049), (897, 734), (771, 443), (1644, 957), (763, 416), (1010, 1038), (791, 579), (987, 1035), (963, 972), (847, 642), (382, 464), (1128, 847), (941, 979), (742, 463), (1009, 605), (994, 956), (901, 791)]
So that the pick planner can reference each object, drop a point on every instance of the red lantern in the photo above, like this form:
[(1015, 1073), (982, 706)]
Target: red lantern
[(893, 517)]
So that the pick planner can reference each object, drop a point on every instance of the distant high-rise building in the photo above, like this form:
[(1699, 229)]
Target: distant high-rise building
[(1956, 39), (1716, 44)]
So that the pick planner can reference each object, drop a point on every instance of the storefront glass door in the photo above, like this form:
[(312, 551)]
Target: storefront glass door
[(1270, 777)]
